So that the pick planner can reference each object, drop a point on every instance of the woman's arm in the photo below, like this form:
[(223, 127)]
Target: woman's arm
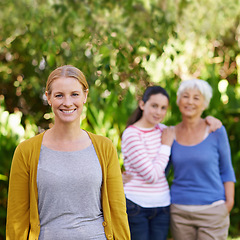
[(213, 123), (116, 197), (18, 215), (225, 167), (229, 194)]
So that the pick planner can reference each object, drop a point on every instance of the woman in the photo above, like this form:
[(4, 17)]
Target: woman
[(66, 183), (202, 192), (146, 148)]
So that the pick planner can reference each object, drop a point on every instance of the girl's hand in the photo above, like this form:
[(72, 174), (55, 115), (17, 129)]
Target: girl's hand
[(126, 178), (213, 123), (168, 136)]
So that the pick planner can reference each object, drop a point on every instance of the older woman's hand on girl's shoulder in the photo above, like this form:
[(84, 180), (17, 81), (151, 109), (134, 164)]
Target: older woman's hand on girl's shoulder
[(213, 123), (168, 136)]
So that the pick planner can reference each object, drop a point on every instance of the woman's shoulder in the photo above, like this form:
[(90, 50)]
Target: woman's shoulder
[(102, 144), (220, 133), (220, 130), (99, 138), (29, 146), (35, 140)]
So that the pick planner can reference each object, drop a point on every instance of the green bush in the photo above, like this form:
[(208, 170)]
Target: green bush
[(11, 133)]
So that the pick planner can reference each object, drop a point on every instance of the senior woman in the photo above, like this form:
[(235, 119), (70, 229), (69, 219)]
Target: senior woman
[(202, 192)]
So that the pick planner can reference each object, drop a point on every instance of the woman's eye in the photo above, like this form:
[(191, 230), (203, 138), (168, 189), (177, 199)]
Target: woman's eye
[(75, 94), (58, 95)]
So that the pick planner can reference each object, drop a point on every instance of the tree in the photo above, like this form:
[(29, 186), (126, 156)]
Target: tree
[(122, 47)]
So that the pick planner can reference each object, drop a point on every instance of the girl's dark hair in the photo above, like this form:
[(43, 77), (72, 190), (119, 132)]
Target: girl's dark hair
[(137, 114)]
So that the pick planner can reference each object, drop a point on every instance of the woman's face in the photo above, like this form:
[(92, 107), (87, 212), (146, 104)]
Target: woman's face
[(154, 110), (191, 103), (67, 99)]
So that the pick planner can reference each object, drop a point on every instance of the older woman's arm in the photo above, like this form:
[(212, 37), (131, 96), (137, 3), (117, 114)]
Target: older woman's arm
[(229, 194), (213, 123), (225, 167)]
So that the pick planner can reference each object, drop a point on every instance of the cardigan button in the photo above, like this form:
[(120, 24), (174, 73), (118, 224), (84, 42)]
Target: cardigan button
[(104, 224), (110, 237)]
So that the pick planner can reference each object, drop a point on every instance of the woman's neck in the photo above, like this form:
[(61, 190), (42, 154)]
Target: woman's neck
[(190, 132), (191, 123), (66, 138), (66, 133)]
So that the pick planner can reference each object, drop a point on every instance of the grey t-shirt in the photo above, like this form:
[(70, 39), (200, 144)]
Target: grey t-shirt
[(69, 195)]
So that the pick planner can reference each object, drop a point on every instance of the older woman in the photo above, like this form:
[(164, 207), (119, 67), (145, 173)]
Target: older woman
[(202, 192)]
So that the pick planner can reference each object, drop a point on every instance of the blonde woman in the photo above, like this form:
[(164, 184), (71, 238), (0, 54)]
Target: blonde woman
[(65, 183)]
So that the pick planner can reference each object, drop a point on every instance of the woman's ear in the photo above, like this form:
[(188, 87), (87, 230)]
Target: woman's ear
[(141, 104), (48, 98), (86, 95)]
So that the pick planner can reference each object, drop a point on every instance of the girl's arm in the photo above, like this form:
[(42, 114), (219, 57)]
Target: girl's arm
[(136, 156)]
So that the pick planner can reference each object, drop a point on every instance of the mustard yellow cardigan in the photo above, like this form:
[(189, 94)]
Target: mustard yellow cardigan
[(22, 211)]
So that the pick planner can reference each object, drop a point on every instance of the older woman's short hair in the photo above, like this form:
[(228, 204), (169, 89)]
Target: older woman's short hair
[(204, 88)]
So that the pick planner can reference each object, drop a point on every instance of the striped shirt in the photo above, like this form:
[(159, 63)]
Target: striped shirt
[(145, 158)]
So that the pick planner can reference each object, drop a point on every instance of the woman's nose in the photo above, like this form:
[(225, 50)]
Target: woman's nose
[(190, 100), (67, 101)]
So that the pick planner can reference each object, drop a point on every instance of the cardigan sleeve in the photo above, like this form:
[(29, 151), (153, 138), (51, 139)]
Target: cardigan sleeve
[(117, 200), (18, 208)]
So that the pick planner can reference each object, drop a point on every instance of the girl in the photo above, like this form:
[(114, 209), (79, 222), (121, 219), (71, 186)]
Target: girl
[(146, 148)]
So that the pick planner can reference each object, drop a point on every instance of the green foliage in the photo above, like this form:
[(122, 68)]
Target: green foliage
[(122, 47), (11, 133)]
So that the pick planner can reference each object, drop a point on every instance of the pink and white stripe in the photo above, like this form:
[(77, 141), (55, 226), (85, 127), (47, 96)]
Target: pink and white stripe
[(145, 158)]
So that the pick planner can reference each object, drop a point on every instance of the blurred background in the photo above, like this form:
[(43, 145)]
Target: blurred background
[(122, 47)]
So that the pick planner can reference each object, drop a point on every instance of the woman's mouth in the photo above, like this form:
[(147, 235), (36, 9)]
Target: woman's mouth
[(67, 111)]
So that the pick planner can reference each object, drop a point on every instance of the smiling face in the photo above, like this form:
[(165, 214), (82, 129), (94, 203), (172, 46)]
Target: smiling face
[(67, 99), (191, 103), (154, 110)]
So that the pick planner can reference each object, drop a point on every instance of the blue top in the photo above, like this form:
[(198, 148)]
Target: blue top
[(200, 170)]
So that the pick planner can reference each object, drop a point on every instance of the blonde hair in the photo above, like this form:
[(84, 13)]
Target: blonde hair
[(202, 86), (66, 71)]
